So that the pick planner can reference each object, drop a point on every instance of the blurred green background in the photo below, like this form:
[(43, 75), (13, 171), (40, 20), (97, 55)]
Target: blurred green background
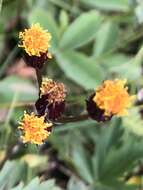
[(92, 40)]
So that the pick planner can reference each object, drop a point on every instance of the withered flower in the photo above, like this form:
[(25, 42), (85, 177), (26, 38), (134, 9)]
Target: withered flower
[(52, 99)]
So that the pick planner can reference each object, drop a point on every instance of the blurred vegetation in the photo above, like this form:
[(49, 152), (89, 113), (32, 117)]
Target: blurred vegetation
[(92, 40)]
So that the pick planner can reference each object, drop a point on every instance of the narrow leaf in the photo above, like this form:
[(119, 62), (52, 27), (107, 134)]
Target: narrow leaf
[(108, 5)]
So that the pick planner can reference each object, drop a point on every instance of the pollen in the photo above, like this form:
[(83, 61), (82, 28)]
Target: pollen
[(35, 40), (113, 97), (34, 129), (55, 90)]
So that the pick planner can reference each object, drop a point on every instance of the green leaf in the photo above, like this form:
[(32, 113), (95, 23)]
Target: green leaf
[(114, 185), (24, 88), (127, 155), (73, 126), (81, 69), (108, 138), (11, 173), (122, 66), (139, 57), (81, 31), (19, 187), (113, 147), (106, 38), (33, 185), (82, 163), (133, 122), (108, 5), (46, 185), (75, 184), (64, 20), (47, 21), (62, 137)]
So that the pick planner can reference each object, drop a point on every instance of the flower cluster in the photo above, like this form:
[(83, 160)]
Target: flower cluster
[(109, 99), (36, 128)]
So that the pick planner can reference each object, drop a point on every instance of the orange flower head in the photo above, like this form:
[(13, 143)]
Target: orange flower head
[(55, 90), (113, 97), (35, 40), (35, 129)]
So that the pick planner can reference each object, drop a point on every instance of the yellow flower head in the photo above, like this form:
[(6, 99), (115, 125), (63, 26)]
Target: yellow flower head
[(55, 90), (35, 40), (34, 128), (113, 97)]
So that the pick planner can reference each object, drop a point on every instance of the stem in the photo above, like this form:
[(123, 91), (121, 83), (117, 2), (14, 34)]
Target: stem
[(73, 119), (39, 78)]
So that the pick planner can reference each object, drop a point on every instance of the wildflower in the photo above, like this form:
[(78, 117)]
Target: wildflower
[(111, 98), (34, 129), (35, 41), (95, 112), (52, 99), (135, 180)]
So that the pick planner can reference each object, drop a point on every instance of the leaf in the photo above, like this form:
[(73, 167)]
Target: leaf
[(82, 163), (64, 20), (47, 21), (10, 85), (11, 173), (80, 69), (33, 185), (75, 184), (6, 12), (73, 126), (133, 122), (114, 185), (62, 137), (46, 185), (110, 5), (139, 12), (108, 138), (122, 66), (19, 187), (81, 31), (127, 155), (113, 147), (108, 32)]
